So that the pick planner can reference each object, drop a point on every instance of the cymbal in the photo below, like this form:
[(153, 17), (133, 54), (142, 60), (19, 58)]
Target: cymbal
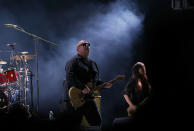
[(3, 62), (24, 53), (23, 57)]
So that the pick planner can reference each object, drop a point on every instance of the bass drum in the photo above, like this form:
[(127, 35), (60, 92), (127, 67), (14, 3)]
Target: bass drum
[(11, 75), (3, 100)]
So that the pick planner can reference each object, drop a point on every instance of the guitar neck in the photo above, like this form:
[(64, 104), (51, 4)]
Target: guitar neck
[(112, 81), (117, 78), (143, 102), (102, 85)]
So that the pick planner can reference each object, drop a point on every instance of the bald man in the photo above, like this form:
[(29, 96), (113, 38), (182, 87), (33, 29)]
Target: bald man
[(79, 71)]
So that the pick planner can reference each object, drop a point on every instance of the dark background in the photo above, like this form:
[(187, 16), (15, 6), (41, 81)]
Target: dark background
[(164, 44), (169, 34)]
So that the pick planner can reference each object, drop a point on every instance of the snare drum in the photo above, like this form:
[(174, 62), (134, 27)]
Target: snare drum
[(11, 75)]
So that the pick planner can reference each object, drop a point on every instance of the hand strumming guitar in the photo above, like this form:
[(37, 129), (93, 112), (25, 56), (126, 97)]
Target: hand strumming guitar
[(86, 90), (131, 110)]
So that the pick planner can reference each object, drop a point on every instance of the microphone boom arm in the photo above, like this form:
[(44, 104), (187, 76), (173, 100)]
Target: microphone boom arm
[(34, 36)]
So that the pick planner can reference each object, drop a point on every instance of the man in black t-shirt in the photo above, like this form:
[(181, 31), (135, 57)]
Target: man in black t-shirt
[(79, 71)]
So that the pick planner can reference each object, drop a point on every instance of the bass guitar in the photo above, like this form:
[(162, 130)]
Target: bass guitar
[(132, 112)]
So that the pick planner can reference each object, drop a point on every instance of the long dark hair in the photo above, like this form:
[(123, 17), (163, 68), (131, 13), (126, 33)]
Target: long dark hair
[(135, 71), (137, 76)]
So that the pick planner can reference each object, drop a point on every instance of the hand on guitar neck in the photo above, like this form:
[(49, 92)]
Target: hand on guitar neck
[(87, 90), (109, 83)]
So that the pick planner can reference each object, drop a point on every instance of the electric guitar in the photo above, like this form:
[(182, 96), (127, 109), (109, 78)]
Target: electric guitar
[(132, 112), (78, 99)]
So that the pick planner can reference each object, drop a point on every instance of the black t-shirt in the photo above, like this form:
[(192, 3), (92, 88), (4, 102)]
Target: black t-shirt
[(137, 96), (80, 71)]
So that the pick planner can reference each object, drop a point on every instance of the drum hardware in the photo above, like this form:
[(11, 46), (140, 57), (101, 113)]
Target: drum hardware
[(16, 77), (36, 39), (11, 75), (13, 51), (31, 89), (26, 69), (14, 80), (1, 69), (3, 100), (24, 75), (3, 79)]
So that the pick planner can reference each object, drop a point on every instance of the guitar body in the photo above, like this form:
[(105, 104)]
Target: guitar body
[(78, 99), (132, 112), (75, 97)]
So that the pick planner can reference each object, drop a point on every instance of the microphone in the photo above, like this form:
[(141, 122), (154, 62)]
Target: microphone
[(11, 45), (11, 25)]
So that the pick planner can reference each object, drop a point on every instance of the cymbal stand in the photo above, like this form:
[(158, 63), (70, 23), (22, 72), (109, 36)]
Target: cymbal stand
[(31, 90), (20, 86), (37, 72), (11, 55), (25, 81), (13, 52)]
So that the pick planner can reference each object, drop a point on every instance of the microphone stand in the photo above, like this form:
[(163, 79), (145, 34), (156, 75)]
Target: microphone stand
[(37, 71), (36, 38)]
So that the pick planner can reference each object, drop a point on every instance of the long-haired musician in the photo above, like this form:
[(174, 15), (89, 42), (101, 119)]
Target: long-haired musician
[(138, 89)]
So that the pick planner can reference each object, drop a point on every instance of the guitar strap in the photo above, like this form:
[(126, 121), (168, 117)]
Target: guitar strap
[(97, 69), (66, 94)]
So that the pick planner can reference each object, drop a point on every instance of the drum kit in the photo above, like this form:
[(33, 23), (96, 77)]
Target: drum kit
[(14, 80)]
